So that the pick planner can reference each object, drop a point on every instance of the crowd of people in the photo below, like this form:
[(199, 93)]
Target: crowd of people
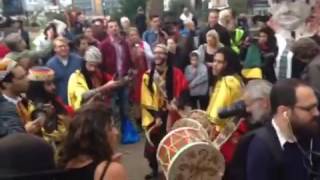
[(65, 93)]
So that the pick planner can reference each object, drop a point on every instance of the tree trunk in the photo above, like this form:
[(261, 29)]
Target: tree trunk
[(154, 7)]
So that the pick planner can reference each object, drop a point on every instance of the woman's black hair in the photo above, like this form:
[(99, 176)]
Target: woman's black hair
[(169, 79), (53, 27), (86, 75), (232, 60), (271, 40), (37, 94), (88, 134)]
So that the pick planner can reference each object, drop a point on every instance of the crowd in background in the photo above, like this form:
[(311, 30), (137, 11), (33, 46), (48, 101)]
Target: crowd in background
[(76, 83)]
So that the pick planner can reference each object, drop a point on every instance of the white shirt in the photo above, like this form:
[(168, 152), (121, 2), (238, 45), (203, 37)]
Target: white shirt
[(148, 53), (187, 18), (280, 135), (12, 100), (64, 61), (282, 43)]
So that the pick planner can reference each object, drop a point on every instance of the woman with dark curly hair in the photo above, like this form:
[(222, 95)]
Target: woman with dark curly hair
[(88, 151)]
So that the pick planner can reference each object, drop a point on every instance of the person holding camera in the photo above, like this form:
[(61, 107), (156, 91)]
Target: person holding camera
[(89, 83), (253, 111)]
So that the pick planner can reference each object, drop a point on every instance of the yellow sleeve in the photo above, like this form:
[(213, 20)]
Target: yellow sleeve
[(149, 101), (226, 92), (77, 86)]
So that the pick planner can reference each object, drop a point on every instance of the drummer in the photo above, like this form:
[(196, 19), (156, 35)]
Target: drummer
[(161, 86)]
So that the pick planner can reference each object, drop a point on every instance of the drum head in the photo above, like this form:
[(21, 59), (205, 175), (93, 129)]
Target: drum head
[(197, 161), (201, 116), (187, 122), (175, 140)]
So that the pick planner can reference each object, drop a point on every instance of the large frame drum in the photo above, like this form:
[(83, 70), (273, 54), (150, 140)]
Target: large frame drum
[(187, 154)]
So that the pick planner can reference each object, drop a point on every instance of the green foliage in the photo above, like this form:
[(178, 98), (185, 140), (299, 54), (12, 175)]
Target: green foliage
[(176, 6), (129, 8), (239, 6)]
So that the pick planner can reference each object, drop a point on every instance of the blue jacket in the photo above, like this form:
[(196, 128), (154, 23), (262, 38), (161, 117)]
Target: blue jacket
[(150, 37), (10, 121), (63, 73)]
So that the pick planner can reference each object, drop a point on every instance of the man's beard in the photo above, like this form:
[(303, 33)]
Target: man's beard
[(160, 63), (306, 130), (258, 116)]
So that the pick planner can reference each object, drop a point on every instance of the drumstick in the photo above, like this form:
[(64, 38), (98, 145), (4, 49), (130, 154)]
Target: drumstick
[(148, 132), (225, 134)]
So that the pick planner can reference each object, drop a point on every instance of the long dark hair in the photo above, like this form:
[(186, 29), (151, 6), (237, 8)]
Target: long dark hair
[(169, 79), (86, 75), (232, 60), (87, 134), (37, 94)]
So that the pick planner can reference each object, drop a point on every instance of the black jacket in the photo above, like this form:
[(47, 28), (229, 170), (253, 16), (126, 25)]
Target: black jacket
[(222, 31)]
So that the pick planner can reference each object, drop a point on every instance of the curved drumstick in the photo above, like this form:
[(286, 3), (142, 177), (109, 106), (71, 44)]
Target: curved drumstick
[(225, 134), (148, 132)]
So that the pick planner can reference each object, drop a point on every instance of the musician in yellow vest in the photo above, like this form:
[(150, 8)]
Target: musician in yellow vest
[(160, 87), (227, 85)]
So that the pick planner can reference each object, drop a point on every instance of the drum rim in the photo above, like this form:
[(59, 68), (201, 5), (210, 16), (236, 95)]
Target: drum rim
[(165, 138), (188, 146), (169, 134), (195, 121)]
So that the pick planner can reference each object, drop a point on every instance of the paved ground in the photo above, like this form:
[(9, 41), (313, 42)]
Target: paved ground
[(134, 160)]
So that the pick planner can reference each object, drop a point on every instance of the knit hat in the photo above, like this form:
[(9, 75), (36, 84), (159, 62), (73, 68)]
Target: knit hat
[(40, 73), (93, 54), (6, 66)]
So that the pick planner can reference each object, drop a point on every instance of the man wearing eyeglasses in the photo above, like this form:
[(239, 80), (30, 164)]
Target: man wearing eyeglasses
[(287, 149), (13, 83)]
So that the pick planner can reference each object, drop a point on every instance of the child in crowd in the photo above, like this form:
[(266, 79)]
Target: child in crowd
[(197, 77)]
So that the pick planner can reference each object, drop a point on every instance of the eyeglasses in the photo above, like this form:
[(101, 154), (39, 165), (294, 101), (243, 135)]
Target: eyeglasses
[(310, 109)]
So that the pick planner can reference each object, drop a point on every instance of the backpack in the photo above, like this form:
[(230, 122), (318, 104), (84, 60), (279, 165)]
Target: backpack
[(237, 168)]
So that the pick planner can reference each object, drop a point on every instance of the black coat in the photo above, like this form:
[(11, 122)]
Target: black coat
[(222, 32)]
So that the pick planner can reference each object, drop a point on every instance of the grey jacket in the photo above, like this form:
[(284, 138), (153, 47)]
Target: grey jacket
[(10, 121), (202, 51), (198, 81)]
